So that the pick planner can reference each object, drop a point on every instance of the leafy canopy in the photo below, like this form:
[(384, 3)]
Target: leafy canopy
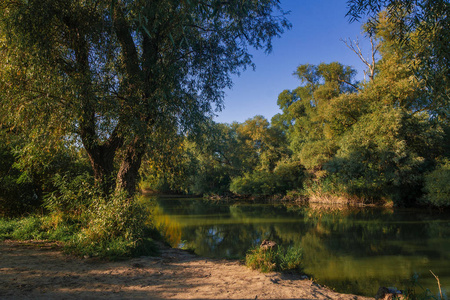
[(116, 75)]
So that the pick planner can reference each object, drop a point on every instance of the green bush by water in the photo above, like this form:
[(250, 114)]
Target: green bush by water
[(81, 240), (110, 227), (116, 227), (437, 187), (281, 259)]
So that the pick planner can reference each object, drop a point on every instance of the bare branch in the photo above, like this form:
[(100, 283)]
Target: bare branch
[(354, 46)]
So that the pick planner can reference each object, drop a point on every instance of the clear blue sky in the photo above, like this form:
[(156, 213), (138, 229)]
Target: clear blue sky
[(317, 27)]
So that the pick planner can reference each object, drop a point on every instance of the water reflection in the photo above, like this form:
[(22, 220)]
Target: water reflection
[(353, 251)]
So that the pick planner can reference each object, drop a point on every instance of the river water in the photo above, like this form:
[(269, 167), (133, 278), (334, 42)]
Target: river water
[(350, 250)]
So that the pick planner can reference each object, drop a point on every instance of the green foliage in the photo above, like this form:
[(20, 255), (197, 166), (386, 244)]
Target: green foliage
[(369, 142), (29, 229), (256, 183), (71, 196), (281, 259), (210, 179), (309, 113), (89, 223), (376, 161), (207, 163), (36, 227), (437, 187), (27, 173), (108, 229), (286, 176), (120, 77), (114, 228), (290, 174), (7, 228), (372, 141), (421, 29), (261, 146)]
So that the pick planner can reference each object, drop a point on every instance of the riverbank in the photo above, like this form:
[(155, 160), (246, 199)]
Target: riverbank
[(39, 270)]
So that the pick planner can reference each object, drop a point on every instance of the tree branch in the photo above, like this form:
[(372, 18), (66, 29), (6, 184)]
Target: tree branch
[(354, 46)]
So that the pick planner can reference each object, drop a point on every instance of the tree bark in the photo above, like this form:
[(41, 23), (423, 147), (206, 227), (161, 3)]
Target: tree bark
[(102, 162), (128, 175)]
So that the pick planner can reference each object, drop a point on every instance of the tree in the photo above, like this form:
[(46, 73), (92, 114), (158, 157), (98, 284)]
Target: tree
[(371, 141), (114, 75), (315, 113), (261, 146), (421, 28)]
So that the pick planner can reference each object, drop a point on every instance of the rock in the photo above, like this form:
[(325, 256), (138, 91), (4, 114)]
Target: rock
[(268, 245), (389, 293)]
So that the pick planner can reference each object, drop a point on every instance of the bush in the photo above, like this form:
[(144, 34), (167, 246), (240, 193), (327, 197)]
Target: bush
[(437, 187), (281, 259), (112, 228), (71, 196), (115, 227), (256, 183), (286, 176)]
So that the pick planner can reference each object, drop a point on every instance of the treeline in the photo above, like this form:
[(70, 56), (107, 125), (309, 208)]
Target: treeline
[(383, 140)]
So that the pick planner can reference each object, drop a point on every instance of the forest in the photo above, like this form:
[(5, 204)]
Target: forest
[(102, 99), (384, 140)]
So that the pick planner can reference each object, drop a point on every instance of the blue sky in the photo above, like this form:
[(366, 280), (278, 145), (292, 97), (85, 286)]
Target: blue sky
[(317, 29)]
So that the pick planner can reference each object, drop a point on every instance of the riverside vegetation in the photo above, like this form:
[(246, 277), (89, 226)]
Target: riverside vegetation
[(278, 259), (101, 97)]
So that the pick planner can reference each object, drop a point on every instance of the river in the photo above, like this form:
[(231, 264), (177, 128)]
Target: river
[(352, 250)]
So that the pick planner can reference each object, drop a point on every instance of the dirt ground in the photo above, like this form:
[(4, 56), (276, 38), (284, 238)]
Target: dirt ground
[(38, 270)]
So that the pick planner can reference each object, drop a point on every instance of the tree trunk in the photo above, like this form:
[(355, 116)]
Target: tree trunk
[(128, 175), (102, 162)]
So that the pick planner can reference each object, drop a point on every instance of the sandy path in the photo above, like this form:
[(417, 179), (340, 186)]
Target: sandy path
[(31, 272)]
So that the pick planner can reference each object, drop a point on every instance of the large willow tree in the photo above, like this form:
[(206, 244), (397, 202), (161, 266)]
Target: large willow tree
[(117, 76)]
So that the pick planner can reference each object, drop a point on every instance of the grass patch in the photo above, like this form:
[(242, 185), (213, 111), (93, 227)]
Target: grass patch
[(281, 259), (7, 227), (28, 228)]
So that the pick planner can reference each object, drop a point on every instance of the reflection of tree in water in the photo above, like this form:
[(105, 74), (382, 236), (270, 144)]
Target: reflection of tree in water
[(169, 227), (359, 252), (353, 251), (230, 241)]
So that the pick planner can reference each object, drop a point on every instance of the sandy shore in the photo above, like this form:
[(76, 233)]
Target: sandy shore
[(38, 270)]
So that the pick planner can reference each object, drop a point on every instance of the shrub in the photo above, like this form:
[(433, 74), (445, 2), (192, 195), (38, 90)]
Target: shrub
[(116, 227), (112, 228), (286, 176), (437, 187), (256, 183), (281, 259), (71, 196)]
